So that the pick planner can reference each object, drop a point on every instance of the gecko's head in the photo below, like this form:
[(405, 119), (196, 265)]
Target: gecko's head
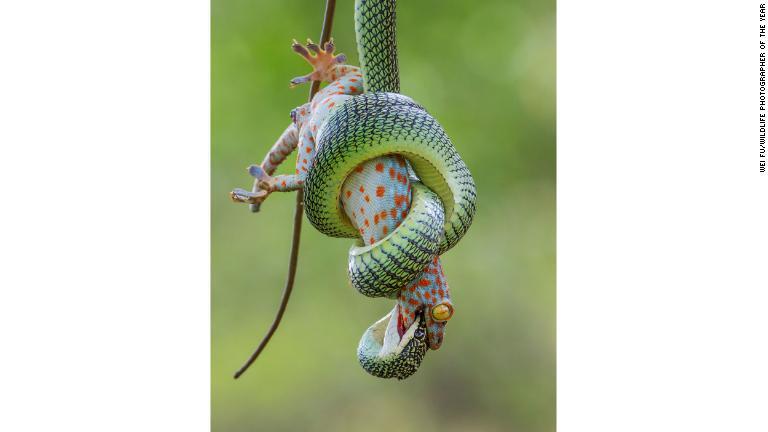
[(299, 115)]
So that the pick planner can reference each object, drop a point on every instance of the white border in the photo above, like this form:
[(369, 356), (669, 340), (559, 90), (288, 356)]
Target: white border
[(105, 223), (662, 218)]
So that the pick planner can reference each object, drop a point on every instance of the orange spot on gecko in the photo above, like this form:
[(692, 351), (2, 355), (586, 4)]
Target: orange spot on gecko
[(424, 282), (349, 193), (399, 200), (353, 88), (380, 167), (404, 214), (384, 230), (392, 172), (367, 223), (362, 189), (380, 191), (359, 169), (393, 212), (308, 149), (375, 219), (367, 198), (372, 240)]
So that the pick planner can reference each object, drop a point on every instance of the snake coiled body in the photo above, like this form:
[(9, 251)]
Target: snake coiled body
[(377, 125)]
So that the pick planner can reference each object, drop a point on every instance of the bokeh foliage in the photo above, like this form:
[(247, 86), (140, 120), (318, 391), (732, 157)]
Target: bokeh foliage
[(486, 71)]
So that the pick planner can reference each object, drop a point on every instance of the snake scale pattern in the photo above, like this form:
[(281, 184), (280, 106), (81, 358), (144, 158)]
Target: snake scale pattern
[(375, 166)]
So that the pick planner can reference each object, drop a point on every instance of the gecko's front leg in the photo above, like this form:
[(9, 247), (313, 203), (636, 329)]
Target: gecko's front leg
[(276, 155), (264, 183)]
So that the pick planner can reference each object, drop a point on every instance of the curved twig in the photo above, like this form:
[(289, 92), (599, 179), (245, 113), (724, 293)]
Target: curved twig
[(325, 34)]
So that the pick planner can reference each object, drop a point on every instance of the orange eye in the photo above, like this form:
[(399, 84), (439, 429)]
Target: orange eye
[(442, 312)]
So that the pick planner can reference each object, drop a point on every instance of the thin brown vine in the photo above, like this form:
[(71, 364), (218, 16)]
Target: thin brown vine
[(298, 215)]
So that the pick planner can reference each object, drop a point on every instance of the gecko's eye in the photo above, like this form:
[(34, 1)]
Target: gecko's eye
[(442, 312)]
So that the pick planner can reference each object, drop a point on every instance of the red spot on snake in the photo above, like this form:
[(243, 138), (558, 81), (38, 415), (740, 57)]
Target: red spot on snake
[(380, 191)]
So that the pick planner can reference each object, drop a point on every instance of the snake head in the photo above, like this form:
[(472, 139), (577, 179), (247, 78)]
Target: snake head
[(385, 353)]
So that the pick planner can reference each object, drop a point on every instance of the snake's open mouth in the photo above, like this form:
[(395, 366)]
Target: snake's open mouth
[(386, 353)]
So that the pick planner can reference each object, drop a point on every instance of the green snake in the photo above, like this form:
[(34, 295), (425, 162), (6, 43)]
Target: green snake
[(375, 166)]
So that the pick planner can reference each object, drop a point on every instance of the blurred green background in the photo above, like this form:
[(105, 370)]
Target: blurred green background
[(486, 71)]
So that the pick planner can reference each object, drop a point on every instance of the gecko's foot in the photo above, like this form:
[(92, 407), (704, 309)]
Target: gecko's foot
[(244, 196), (322, 61), (261, 188)]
